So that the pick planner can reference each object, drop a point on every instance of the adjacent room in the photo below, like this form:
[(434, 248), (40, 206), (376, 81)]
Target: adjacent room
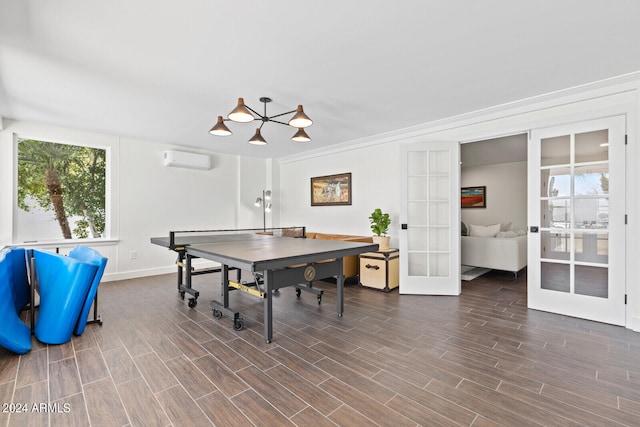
[(319, 214)]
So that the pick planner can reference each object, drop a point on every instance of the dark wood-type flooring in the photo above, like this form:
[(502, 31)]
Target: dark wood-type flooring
[(393, 360)]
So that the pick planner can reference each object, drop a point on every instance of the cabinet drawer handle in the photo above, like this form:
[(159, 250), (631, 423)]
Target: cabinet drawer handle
[(372, 267)]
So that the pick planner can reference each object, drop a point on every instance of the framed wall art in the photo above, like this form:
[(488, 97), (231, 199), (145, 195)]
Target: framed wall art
[(473, 197), (331, 190)]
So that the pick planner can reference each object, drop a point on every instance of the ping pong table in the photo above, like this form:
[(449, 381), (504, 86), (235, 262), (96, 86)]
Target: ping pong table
[(277, 261)]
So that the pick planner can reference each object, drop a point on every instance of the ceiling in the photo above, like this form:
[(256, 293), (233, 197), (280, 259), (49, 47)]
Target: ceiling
[(163, 71)]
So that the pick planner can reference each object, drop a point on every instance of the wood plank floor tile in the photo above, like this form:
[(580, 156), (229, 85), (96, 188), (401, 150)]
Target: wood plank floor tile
[(346, 416), (120, 365), (220, 375), (91, 365), (361, 402), (140, 403), (259, 411), (311, 417), (181, 409), (62, 351), (426, 399), (33, 368), (191, 378), (271, 391), (104, 404), (231, 358), (73, 413), (305, 390), (300, 366), (221, 411), (33, 403), (154, 371), (64, 379)]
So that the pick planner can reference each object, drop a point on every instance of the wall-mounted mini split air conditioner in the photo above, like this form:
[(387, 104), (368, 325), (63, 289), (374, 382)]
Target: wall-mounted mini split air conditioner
[(181, 159)]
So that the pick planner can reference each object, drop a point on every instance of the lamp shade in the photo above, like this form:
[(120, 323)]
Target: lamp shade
[(220, 129), (301, 136), (267, 195), (257, 139), (241, 113), (258, 202), (300, 119)]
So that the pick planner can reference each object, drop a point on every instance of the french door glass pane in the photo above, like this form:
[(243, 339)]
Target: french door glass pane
[(555, 213), (555, 245), (591, 213), (592, 281), (555, 277), (439, 214), (439, 265), (417, 163), (591, 180), (439, 162), (418, 264), (592, 247), (417, 239), (439, 188), (555, 151), (417, 188), (439, 240), (557, 182), (592, 146)]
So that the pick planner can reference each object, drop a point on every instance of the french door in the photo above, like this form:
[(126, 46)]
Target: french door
[(576, 246), (430, 218)]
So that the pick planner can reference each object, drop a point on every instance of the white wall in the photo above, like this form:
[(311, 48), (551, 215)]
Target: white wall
[(375, 163), (506, 196), (374, 175), (147, 198)]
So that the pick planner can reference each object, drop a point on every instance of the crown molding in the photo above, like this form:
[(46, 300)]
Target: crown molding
[(625, 82)]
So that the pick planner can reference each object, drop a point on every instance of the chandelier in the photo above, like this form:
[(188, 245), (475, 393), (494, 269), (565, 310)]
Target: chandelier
[(245, 114)]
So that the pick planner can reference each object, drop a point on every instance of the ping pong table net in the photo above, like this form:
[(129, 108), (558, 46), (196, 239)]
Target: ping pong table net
[(296, 231)]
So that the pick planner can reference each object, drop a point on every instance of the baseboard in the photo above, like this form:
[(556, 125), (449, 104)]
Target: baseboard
[(135, 274)]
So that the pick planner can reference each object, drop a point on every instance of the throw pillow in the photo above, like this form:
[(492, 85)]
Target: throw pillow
[(464, 229), (505, 226), (507, 234), (484, 231)]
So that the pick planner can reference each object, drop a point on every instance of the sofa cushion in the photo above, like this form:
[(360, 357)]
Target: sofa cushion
[(484, 231)]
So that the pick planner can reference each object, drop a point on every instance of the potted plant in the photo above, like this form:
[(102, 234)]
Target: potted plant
[(380, 225)]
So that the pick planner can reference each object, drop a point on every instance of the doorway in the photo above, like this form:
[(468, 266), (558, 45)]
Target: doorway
[(498, 166)]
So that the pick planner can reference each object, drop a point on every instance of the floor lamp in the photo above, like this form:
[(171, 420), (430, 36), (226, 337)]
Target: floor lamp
[(266, 206)]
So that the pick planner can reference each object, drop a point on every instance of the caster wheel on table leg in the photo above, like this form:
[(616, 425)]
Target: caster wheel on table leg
[(217, 314), (298, 292), (238, 325), (192, 302), (181, 295)]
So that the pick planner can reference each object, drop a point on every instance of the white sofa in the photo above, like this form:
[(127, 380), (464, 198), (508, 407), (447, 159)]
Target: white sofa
[(496, 253)]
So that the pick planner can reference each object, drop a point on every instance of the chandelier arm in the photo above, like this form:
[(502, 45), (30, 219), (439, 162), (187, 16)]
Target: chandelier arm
[(276, 121), (254, 112), (282, 114)]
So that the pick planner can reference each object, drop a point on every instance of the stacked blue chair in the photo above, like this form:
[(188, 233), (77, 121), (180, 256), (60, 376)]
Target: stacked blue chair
[(88, 255), (64, 286), (15, 335)]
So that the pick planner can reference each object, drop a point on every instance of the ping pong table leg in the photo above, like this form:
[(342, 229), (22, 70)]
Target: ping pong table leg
[(340, 293), (268, 306)]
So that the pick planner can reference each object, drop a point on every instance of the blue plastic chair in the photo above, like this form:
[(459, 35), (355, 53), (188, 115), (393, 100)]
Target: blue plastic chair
[(15, 335), (64, 285), (91, 256)]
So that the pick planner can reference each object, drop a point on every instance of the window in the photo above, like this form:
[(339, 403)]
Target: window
[(61, 191)]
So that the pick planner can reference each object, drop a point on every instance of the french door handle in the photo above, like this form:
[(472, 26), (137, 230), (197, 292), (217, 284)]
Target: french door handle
[(533, 229)]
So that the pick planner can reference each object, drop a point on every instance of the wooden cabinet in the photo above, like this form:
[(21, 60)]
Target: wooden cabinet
[(380, 270)]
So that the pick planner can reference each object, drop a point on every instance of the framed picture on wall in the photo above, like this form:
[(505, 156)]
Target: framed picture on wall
[(331, 190), (473, 197)]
